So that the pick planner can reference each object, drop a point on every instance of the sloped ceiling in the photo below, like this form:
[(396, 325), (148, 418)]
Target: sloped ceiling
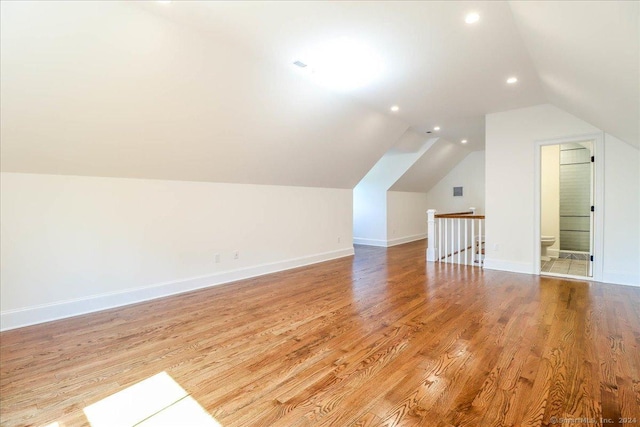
[(439, 70), (587, 55), (438, 161), (205, 90), (106, 89)]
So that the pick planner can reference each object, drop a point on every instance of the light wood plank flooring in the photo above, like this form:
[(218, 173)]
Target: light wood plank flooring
[(382, 338)]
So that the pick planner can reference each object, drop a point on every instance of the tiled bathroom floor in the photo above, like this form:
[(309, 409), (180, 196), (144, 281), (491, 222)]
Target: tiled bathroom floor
[(574, 267)]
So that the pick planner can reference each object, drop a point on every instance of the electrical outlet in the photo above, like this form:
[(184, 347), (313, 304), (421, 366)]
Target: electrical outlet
[(236, 254), (216, 258)]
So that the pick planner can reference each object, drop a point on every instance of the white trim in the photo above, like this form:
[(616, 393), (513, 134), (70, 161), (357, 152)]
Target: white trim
[(615, 278), (598, 241), (513, 266), (621, 278), (387, 243), (566, 276), (406, 239), (11, 319), (369, 242)]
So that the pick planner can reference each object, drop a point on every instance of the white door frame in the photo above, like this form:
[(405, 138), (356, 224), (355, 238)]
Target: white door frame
[(598, 192)]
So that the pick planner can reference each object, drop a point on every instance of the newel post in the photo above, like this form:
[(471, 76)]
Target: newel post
[(431, 235)]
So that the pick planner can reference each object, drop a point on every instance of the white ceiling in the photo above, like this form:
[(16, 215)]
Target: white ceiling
[(199, 90), (587, 55), (106, 89), (439, 70)]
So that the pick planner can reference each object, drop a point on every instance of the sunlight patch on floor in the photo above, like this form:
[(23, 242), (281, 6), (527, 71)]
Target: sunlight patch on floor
[(186, 412), (156, 401)]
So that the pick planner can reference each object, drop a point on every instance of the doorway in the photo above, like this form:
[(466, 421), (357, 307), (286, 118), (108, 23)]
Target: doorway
[(568, 228)]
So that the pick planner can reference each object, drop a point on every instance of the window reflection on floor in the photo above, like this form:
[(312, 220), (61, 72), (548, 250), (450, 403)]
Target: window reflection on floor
[(156, 401)]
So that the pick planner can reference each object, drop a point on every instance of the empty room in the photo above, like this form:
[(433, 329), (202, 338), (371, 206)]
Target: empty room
[(319, 213)]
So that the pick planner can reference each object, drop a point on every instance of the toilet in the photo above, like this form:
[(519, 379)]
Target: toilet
[(546, 241)]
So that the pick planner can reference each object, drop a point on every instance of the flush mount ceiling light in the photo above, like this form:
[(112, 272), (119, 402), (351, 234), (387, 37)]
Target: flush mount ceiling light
[(464, 141), (472, 18), (512, 80), (437, 128), (342, 64), (394, 108)]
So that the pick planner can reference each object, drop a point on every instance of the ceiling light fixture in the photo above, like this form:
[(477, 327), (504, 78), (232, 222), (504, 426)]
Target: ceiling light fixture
[(472, 18), (341, 64), (512, 80), (464, 141), (395, 108), (437, 128)]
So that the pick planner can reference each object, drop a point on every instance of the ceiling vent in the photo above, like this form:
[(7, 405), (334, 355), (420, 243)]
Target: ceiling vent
[(300, 64)]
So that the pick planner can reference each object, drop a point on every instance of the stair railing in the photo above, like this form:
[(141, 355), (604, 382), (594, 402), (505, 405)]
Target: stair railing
[(455, 238)]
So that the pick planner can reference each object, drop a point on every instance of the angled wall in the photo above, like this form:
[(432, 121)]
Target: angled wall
[(370, 222)]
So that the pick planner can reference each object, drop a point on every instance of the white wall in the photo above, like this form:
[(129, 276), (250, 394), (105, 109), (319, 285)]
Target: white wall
[(550, 194), (406, 217), (369, 215), (470, 175), (77, 244), (510, 146), (622, 212)]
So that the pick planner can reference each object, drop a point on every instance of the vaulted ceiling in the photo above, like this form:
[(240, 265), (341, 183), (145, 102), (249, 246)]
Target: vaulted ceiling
[(206, 91)]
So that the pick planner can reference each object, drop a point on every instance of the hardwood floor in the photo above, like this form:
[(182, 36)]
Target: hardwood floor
[(380, 339)]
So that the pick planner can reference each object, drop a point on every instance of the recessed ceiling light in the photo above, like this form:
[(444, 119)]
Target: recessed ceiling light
[(464, 141), (436, 128), (472, 18), (395, 108), (512, 80)]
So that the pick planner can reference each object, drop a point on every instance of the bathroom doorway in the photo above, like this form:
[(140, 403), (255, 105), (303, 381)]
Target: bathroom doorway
[(567, 209)]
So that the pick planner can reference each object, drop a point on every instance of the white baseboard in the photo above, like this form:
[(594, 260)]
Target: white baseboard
[(387, 243), (621, 278), (553, 253), (369, 242), (406, 239), (12, 319), (515, 267)]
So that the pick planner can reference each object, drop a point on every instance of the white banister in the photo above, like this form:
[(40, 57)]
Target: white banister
[(439, 239), (454, 234), (459, 247), (431, 235), (466, 241)]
